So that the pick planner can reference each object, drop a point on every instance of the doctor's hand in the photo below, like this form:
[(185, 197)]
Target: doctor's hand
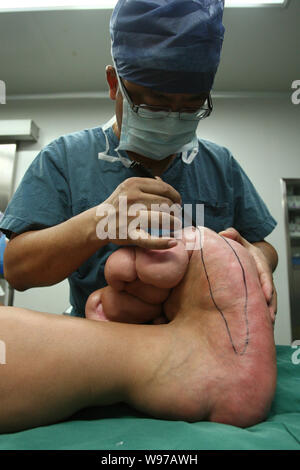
[(263, 268), (136, 204)]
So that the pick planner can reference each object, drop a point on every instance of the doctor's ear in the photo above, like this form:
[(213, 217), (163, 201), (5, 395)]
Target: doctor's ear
[(112, 81)]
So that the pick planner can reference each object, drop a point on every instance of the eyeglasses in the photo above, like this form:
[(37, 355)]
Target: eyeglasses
[(158, 112)]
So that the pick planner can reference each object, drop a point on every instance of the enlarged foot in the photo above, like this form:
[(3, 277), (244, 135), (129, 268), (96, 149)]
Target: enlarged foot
[(193, 382), (111, 305), (200, 375)]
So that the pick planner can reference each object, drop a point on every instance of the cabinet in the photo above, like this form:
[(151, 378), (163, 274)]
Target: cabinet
[(291, 205), (11, 132)]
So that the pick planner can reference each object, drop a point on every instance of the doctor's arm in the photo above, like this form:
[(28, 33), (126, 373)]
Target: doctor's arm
[(45, 257), (269, 252)]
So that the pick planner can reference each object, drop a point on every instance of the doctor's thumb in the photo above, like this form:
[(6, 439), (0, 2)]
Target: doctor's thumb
[(231, 233)]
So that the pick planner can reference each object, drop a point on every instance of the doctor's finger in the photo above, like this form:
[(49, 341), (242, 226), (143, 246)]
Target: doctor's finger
[(266, 282), (154, 220), (158, 203), (143, 239), (233, 234), (273, 306), (153, 186)]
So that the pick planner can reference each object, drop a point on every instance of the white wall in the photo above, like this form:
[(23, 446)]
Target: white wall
[(262, 133)]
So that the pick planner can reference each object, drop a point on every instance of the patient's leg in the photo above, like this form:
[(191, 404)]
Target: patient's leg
[(57, 365), (187, 369)]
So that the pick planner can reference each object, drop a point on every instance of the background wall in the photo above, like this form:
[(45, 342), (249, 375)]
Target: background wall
[(261, 130)]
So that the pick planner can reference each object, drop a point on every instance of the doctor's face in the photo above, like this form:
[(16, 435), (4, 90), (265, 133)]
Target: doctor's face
[(144, 95)]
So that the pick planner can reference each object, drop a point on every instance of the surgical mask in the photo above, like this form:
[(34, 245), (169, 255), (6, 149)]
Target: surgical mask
[(154, 136)]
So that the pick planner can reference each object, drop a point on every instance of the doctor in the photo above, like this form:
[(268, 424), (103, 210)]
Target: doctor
[(165, 56)]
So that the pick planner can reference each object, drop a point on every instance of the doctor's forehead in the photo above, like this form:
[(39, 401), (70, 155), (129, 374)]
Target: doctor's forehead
[(145, 91)]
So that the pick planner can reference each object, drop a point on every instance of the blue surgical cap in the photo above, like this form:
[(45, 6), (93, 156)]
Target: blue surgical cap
[(172, 46)]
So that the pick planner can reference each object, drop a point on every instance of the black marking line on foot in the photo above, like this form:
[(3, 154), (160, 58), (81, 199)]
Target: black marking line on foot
[(215, 304)]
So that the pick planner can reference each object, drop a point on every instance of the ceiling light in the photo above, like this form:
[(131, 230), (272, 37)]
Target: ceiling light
[(40, 5), (255, 3)]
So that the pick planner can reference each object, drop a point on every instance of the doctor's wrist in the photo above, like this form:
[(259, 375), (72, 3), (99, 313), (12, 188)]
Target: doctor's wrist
[(92, 221)]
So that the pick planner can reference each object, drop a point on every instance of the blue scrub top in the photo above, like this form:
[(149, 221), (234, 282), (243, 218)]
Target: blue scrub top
[(67, 177)]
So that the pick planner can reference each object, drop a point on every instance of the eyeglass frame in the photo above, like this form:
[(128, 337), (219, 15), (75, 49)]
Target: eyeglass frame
[(136, 107)]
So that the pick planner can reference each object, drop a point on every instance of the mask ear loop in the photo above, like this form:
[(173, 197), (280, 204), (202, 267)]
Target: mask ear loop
[(104, 155), (124, 159), (188, 157), (109, 158)]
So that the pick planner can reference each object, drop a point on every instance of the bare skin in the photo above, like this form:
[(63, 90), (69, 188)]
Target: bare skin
[(57, 365), (139, 281), (241, 355), (234, 351), (186, 369)]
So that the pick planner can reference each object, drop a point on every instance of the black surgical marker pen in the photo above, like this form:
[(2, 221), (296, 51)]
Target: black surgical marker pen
[(141, 170)]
